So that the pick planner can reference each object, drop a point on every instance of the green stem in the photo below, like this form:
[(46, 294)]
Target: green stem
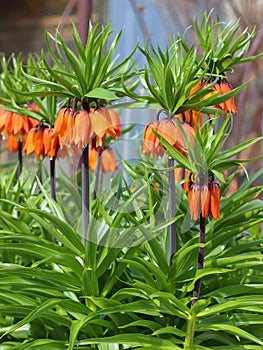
[(200, 264), (190, 332), (172, 208), (85, 193)]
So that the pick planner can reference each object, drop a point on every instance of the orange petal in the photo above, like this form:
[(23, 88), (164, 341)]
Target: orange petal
[(29, 146), (194, 201), (205, 201), (83, 128), (39, 143), (108, 161), (215, 201), (115, 122), (93, 158), (100, 119)]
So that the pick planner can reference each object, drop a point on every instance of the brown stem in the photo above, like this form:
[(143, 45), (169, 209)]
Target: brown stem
[(85, 192), (53, 178), (20, 160), (97, 176), (84, 16)]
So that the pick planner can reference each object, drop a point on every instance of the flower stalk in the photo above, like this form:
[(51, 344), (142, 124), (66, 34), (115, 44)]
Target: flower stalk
[(20, 160), (172, 208), (200, 263), (52, 163), (97, 175), (85, 192)]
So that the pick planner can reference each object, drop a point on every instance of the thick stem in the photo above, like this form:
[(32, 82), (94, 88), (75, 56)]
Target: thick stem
[(172, 208), (85, 192), (200, 264), (97, 176), (20, 160), (190, 332), (52, 164), (84, 10)]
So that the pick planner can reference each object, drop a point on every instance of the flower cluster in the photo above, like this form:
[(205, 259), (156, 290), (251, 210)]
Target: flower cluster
[(80, 127), (180, 131), (203, 198), (169, 129), (105, 158), (15, 127)]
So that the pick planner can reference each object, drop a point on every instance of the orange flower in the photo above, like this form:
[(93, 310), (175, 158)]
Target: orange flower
[(101, 125), (215, 201), (171, 132), (224, 87), (191, 117), (15, 124), (51, 144), (115, 122), (13, 142), (34, 141), (83, 128), (151, 144), (205, 200), (194, 200), (61, 122), (183, 174), (79, 127), (108, 162)]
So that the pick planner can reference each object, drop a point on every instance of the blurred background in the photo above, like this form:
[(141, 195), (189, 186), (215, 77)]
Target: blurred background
[(24, 21)]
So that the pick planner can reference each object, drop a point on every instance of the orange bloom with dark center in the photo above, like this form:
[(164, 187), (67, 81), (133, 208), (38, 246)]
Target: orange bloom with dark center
[(151, 144), (107, 160)]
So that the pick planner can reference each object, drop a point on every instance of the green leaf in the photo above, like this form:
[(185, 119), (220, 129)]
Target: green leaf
[(102, 93)]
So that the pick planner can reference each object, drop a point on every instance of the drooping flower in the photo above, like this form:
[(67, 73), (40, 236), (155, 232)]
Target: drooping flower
[(51, 144), (12, 123), (191, 117), (204, 199), (194, 200), (215, 201), (80, 127), (223, 86), (151, 144), (13, 142), (83, 128), (107, 160), (60, 124), (169, 129), (101, 125)]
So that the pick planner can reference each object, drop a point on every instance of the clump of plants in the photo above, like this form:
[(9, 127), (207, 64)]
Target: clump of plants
[(163, 260)]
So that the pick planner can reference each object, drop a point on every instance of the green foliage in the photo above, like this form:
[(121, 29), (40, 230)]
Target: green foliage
[(123, 290)]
